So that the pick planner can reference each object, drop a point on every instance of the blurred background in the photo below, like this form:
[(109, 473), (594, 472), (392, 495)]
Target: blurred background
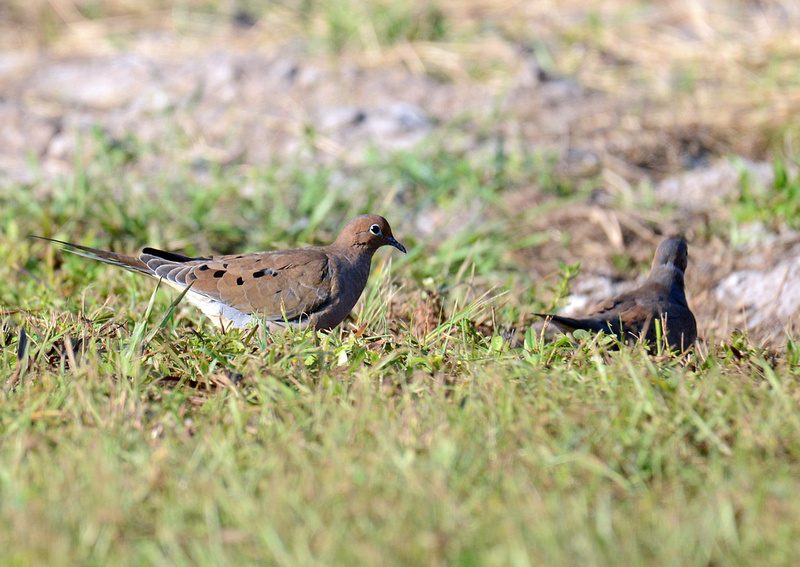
[(500, 138)]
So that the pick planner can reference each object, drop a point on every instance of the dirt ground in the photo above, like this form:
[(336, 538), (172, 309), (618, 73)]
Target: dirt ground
[(607, 105)]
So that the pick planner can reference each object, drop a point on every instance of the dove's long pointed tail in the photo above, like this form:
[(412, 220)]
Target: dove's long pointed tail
[(129, 263)]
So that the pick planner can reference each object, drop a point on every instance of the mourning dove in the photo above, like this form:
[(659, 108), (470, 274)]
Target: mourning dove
[(633, 314), (316, 286)]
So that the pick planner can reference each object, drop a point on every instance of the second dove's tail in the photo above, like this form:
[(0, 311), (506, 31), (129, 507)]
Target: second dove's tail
[(569, 324), (129, 263)]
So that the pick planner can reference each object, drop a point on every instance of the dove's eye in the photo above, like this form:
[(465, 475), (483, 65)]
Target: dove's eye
[(375, 229)]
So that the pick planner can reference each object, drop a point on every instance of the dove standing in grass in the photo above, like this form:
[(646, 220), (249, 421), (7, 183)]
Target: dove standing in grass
[(633, 314), (314, 286)]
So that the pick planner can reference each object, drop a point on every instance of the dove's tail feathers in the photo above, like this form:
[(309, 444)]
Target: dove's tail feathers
[(565, 324), (173, 257), (129, 263)]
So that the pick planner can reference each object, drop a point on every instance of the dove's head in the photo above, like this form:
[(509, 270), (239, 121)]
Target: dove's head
[(367, 231), (669, 266), (672, 252)]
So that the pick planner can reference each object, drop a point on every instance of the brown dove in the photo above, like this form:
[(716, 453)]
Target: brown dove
[(633, 314), (316, 286)]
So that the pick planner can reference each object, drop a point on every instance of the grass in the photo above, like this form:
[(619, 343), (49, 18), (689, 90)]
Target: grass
[(128, 437), (436, 426), (777, 206)]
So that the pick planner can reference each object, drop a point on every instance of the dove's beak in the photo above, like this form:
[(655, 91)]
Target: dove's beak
[(396, 244)]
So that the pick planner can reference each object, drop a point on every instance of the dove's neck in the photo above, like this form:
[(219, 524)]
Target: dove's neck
[(670, 278), (353, 279), (357, 262), (362, 261)]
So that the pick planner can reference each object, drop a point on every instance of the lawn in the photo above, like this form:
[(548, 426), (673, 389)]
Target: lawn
[(438, 425)]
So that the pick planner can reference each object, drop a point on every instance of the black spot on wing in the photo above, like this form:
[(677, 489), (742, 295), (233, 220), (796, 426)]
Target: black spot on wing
[(219, 273), (265, 272), (203, 268), (239, 281)]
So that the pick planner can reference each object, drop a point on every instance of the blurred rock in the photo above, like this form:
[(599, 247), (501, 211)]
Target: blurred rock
[(704, 189), (13, 64), (97, 83), (24, 132), (393, 125), (761, 296)]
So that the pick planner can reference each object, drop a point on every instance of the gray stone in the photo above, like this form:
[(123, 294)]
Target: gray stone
[(704, 189), (761, 296), (97, 83)]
